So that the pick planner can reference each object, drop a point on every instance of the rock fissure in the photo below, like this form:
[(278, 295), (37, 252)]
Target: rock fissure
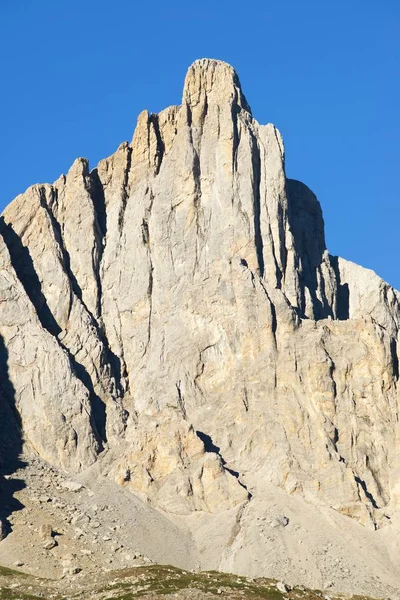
[(367, 493), (209, 446), (395, 359), (153, 121), (256, 182), (112, 360), (181, 400), (96, 192), (147, 242)]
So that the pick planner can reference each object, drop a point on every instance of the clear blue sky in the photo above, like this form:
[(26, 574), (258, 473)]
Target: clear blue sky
[(76, 73)]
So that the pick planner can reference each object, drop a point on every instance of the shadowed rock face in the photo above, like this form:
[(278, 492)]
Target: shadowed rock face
[(178, 304)]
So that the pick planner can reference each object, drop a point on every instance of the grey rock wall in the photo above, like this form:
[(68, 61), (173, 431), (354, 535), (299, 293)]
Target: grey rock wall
[(177, 307)]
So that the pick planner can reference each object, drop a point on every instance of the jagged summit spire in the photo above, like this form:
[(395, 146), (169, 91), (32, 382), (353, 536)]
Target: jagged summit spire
[(209, 77)]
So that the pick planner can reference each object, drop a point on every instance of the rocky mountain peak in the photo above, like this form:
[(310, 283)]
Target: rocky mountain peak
[(172, 322), (215, 82)]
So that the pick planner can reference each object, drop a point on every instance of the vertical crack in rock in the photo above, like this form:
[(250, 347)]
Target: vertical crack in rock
[(326, 309), (235, 198), (181, 400), (256, 182), (125, 191), (245, 399), (342, 294), (96, 192), (64, 252), (236, 136), (196, 135), (110, 358), (335, 442), (197, 208), (282, 242), (99, 413), (117, 364), (22, 263), (209, 446), (331, 369), (203, 116), (150, 299), (197, 184), (395, 358), (367, 493), (274, 324), (147, 242), (145, 232), (153, 121), (282, 215), (258, 235)]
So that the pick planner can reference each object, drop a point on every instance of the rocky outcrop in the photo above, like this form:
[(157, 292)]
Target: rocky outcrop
[(37, 374), (179, 468), (178, 304)]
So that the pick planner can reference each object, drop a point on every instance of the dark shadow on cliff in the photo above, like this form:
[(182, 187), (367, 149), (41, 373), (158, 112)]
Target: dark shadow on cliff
[(24, 268), (307, 225), (343, 293), (10, 442), (23, 265), (209, 446), (99, 203)]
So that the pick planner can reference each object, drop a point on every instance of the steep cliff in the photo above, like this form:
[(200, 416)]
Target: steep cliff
[(175, 316)]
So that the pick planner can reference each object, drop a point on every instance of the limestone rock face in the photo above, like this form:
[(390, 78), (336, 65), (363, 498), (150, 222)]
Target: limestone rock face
[(168, 461), (38, 380), (177, 308)]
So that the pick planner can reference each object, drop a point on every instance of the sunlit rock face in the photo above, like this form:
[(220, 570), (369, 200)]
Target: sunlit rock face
[(177, 309)]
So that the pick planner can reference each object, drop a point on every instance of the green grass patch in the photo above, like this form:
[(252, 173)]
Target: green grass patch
[(159, 581), (7, 594), (6, 572)]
